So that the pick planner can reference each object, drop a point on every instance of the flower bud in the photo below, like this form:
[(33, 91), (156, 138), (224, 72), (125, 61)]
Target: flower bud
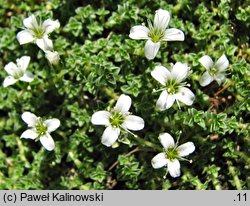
[(53, 57)]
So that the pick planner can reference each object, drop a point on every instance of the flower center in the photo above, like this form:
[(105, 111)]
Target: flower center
[(41, 129), (116, 119), (18, 74), (155, 33), (213, 71), (172, 153), (172, 87), (38, 31)]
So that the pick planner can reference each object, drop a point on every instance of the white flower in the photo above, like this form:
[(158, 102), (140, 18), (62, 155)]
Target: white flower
[(38, 32), (40, 129), (116, 120), (156, 33), (214, 71), (53, 57), (18, 71), (172, 154), (173, 87)]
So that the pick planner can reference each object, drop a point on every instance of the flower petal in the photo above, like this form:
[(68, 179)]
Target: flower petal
[(161, 74), (180, 71), (110, 135), (29, 118), (123, 103), (27, 77), (159, 161), (206, 61), (47, 141), (185, 95), (139, 32), (100, 118), (23, 62), (206, 79), (133, 122), (52, 124), (166, 140), (24, 37), (29, 134), (161, 19), (165, 101), (50, 25), (173, 35), (9, 80), (222, 63), (186, 149), (151, 49), (45, 44), (11, 68), (30, 22), (174, 168), (162, 100), (220, 78)]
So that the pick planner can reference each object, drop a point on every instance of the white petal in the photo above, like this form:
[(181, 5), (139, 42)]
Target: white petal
[(159, 161), (45, 44), (173, 35), (110, 135), (186, 149), (222, 63), (9, 80), (24, 37), (162, 100), (11, 68), (52, 124), (185, 95), (139, 32), (30, 22), (165, 101), (161, 74), (206, 79), (220, 78), (206, 61), (47, 142), (29, 134), (133, 122), (151, 49), (50, 25), (27, 77), (123, 103), (161, 19), (174, 168), (100, 118), (23, 62), (166, 140), (29, 118), (180, 71)]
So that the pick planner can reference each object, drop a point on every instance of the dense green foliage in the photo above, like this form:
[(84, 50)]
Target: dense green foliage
[(99, 62)]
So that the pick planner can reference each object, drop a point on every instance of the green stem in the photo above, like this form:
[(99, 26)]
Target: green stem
[(234, 175)]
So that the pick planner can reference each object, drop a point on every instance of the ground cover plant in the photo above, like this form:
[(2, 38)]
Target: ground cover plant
[(124, 94)]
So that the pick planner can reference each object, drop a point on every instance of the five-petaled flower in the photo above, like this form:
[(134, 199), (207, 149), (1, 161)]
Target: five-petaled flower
[(116, 120), (172, 154), (215, 71), (40, 128), (18, 71), (173, 87), (38, 32), (156, 33)]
